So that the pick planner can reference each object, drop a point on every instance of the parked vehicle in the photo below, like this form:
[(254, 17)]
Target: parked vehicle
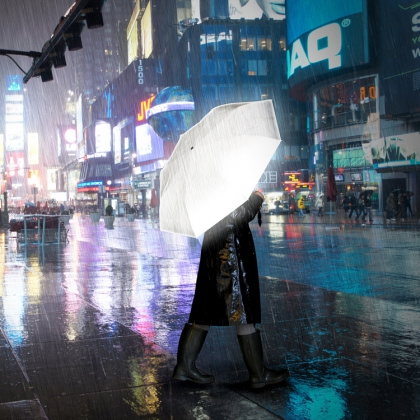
[(278, 199)]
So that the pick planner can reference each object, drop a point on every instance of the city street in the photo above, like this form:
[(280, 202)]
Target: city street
[(89, 329)]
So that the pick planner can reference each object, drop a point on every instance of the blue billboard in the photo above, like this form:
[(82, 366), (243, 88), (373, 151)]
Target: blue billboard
[(400, 61), (324, 39)]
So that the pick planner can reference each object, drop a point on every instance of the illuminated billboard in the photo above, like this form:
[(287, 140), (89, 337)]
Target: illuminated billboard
[(14, 83), (102, 137), (147, 31), (394, 151), (238, 9), (14, 136), (149, 144), (14, 120), (132, 35), (33, 149), (15, 163), (52, 179), (324, 40), (123, 137), (400, 65), (2, 156)]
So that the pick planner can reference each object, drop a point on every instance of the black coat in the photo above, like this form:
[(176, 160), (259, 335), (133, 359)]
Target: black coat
[(227, 290)]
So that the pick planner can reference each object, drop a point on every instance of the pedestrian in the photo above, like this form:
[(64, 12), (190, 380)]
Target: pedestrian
[(353, 207), (227, 294), (154, 203), (398, 206), (408, 196), (292, 204), (319, 203), (404, 206), (277, 204), (360, 211), (301, 206), (390, 207), (367, 207), (346, 204)]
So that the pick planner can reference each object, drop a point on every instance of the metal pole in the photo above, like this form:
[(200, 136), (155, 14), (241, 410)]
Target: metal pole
[(5, 212)]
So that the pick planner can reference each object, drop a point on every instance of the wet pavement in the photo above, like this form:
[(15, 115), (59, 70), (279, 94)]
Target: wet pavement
[(89, 329)]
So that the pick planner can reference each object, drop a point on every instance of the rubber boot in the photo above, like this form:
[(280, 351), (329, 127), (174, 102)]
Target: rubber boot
[(259, 375), (190, 344)]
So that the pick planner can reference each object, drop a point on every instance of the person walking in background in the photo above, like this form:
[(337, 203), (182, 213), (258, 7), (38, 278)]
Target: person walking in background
[(346, 204), (390, 207), (403, 199), (227, 294), (353, 206), (319, 203), (277, 204), (154, 203), (408, 196), (360, 208), (301, 206), (367, 207)]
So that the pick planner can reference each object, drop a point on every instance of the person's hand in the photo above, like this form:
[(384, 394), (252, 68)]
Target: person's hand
[(259, 193)]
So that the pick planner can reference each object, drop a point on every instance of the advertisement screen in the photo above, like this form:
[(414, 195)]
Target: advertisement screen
[(102, 137), (15, 162), (14, 83), (51, 179), (33, 149), (147, 32), (403, 150), (1, 152), (123, 134), (238, 9), (14, 136), (325, 39), (149, 144), (400, 66)]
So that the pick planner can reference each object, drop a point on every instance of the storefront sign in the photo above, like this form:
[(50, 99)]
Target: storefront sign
[(143, 184)]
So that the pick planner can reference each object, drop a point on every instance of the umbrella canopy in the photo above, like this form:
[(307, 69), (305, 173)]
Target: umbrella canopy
[(216, 165), (331, 186), (29, 204), (366, 192)]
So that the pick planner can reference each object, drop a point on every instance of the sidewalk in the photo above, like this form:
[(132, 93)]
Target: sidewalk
[(89, 330), (341, 218)]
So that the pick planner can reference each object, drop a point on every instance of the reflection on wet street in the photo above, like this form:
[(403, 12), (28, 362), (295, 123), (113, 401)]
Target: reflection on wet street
[(89, 329)]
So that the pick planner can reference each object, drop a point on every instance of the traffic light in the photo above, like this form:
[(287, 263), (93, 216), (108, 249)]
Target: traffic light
[(67, 34), (29, 174)]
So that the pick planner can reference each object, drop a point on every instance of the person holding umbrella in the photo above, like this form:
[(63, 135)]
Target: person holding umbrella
[(227, 294)]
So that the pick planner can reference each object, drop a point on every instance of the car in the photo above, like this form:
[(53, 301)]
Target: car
[(270, 200)]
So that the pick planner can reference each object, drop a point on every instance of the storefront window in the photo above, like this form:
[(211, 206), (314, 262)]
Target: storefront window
[(341, 104), (350, 158)]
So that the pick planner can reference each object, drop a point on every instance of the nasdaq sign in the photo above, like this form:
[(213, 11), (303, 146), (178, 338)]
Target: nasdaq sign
[(322, 44), (325, 40)]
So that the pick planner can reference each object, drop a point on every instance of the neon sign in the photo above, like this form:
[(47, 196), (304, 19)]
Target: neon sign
[(90, 184), (144, 106)]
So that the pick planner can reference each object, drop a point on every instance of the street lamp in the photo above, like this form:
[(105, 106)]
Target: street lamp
[(133, 165), (109, 182)]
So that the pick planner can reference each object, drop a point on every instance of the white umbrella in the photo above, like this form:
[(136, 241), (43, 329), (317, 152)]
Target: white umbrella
[(216, 165)]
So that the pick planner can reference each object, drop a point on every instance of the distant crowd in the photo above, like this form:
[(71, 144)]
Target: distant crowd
[(398, 206), (41, 208)]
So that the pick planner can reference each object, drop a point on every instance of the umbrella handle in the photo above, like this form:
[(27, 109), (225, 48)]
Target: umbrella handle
[(259, 219)]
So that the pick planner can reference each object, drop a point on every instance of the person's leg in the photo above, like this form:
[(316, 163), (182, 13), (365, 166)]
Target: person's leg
[(190, 344), (251, 346)]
